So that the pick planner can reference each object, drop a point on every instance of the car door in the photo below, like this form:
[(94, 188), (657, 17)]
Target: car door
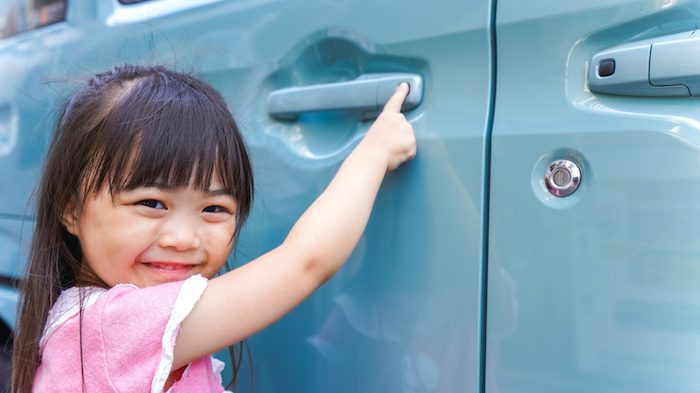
[(405, 314), (602, 283)]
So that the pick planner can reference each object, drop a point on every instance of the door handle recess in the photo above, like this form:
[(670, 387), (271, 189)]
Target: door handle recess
[(364, 97), (664, 66)]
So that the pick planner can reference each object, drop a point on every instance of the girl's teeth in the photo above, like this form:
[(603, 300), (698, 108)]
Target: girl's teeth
[(169, 266)]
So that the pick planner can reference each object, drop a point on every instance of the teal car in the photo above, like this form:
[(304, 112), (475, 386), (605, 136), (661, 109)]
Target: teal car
[(545, 237)]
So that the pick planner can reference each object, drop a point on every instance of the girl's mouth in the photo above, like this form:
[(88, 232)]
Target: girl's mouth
[(167, 271), (169, 266)]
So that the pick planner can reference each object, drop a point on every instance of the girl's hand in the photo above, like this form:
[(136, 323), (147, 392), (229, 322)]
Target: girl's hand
[(391, 134)]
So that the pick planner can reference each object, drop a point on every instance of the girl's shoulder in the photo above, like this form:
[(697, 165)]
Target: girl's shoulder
[(68, 305), (166, 298)]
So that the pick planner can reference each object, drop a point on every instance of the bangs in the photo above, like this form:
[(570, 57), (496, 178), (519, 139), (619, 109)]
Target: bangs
[(173, 132)]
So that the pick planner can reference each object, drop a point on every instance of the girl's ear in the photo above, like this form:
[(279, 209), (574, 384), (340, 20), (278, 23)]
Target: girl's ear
[(70, 219)]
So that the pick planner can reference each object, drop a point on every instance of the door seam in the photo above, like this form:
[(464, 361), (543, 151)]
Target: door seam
[(485, 204)]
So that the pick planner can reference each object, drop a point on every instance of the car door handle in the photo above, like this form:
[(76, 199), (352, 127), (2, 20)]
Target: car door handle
[(664, 66), (364, 97)]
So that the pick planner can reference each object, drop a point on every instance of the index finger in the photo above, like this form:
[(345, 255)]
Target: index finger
[(396, 100)]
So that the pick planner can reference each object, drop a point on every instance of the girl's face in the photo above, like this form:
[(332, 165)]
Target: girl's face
[(152, 235)]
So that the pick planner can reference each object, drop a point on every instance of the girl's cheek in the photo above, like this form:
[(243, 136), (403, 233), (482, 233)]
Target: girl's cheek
[(223, 240), (228, 228)]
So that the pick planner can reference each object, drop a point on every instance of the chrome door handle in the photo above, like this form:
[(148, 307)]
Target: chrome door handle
[(364, 97)]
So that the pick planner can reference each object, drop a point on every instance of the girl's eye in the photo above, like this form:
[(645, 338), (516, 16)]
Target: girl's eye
[(215, 209), (152, 203)]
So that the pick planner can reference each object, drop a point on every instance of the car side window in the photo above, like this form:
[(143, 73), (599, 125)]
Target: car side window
[(18, 16)]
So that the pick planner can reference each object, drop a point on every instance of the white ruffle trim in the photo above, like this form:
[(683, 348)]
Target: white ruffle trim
[(68, 305), (190, 292), (218, 367)]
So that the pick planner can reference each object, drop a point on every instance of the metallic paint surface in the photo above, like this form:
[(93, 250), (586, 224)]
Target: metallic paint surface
[(605, 284), (404, 314)]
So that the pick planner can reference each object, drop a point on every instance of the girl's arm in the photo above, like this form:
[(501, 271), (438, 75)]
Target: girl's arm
[(249, 298)]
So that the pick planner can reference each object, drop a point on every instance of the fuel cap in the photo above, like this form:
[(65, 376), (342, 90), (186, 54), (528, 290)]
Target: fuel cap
[(562, 178)]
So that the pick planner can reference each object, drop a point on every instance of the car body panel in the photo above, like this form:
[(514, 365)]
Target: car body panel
[(596, 291), (405, 313), (592, 292)]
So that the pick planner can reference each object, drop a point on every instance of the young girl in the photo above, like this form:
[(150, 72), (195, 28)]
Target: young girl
[(146, 186)]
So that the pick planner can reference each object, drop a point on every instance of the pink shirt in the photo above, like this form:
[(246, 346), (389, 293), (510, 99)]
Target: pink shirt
[(128, 336)]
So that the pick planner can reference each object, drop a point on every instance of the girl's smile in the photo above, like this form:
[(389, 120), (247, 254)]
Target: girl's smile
[(155, 234), (170, 271)]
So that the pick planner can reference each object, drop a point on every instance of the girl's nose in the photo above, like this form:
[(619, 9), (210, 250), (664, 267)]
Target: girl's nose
[(180, 237)]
